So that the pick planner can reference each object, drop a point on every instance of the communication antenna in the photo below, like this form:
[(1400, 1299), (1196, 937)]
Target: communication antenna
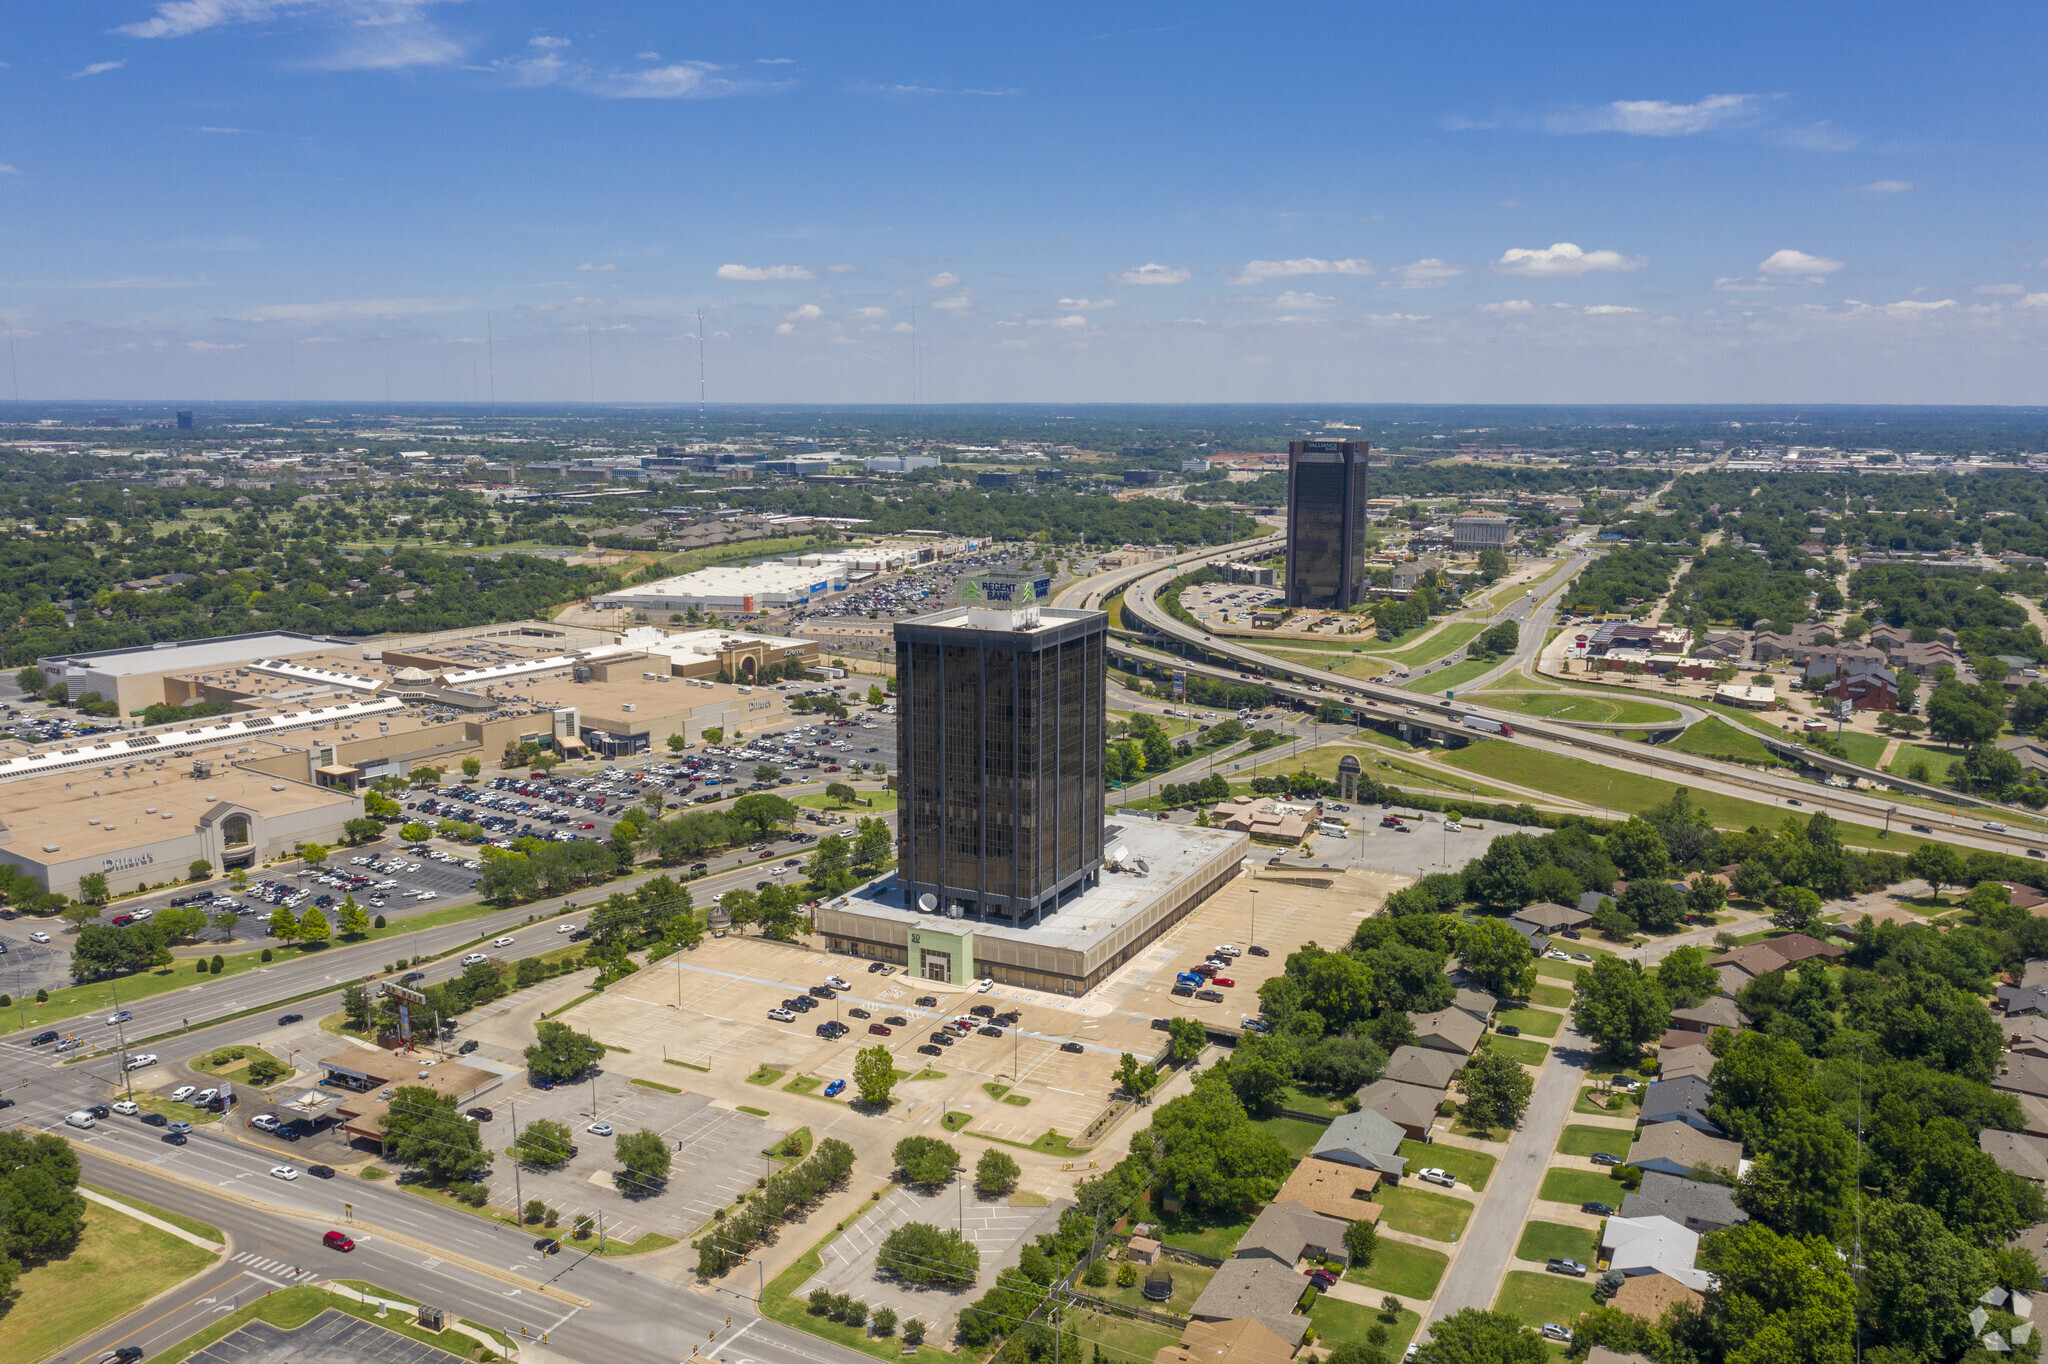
[(700, 366)]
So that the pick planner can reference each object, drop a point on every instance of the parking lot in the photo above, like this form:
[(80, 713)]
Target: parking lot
[(718, 1153), (999, 1231)]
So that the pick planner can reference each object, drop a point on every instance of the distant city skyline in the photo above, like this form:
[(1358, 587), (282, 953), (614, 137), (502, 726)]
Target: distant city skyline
[(468, 200)]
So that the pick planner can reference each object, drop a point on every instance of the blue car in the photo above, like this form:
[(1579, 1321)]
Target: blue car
[(833, 1090)]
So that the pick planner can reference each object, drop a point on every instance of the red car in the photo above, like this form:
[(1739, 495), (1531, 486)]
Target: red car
[(586, 825), (768, 854), (880, 1029), (1221, 980), (335, 1240), (1205, 970), (122, 920)]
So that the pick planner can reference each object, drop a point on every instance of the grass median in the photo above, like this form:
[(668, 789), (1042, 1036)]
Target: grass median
[(117, 1265)]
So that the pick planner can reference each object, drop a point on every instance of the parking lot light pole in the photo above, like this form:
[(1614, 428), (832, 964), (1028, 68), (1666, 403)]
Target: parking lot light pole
[(518, 1197)]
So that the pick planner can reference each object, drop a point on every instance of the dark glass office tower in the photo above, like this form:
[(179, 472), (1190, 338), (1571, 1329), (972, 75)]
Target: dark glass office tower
[(999, 758), (1326, 523)]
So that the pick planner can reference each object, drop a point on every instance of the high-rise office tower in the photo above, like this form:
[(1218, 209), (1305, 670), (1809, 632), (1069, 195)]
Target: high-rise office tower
[(999, 754), (1326, 523)]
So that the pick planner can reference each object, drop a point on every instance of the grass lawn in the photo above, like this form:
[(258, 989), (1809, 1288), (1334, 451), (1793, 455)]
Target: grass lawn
[(1453, 677), (1437, 645), (1338, 1322), (292, 1308), (1470, 1168), (176, 1219), (1864, 749), (1564, 705), (1937, 760), (766, 1075), (1188, 1283), (1523, 1049), (1624, 1105), (117, 1265), (232, 1063), (1714, 737), (1297, 1136), (802, 1084), (1535, 1298), (1558, 970), (1213, 1234), (1117, 1337), (1583, 1139), (1421, 1213), (1398, 1267), (1301, 1100), (1556, 1241), (872, 802), (1551, 996), (1580, 1186), (176, 1112), (1540, 1022)]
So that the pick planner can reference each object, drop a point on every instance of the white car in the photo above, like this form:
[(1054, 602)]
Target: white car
[(141, 1059), (1554, 955), (127, 1108), (501, 942), (265, 1122), (205, 1097), (1226, 950), (283, 1172), (474, 959), (81, 1118), (39, 936), (565, 928), (599, 1129), (782, 1015), (1433, 1175), (837, 983), (984, 985), (182, 1093)]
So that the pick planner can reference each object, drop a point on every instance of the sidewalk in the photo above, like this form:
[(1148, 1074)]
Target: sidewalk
[(139, 1215)]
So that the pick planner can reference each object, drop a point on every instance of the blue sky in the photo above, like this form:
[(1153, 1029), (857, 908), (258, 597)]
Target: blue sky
[(423, 199)]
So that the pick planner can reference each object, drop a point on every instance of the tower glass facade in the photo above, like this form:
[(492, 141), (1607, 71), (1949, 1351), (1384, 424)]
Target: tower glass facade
[(1326, 523), (999, 758)]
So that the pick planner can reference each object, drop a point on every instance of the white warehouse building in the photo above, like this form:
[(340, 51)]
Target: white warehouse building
[(759, 587)]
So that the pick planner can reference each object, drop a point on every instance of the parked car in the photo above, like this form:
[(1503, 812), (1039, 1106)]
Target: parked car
[(1070, 1046), (782, 1015), (990, 1031), (466, 1048), (1563, 1266), (1602, 1158), (880, 1029), (1212, 996), (1433, 1175), (1508, 1030), (897, 1021), (480, 1113), (929, 1049), (927, 1001), (1597, 1208), (1552, 1331), (599, 1129), (835, 1089)]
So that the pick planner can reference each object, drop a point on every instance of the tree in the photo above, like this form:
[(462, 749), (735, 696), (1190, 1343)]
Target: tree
[(1638, 849), (313, 926), (1686, 978), (920, 1253), (643, 1162), (874, 1075), (1341, 1064), (199, 870), (545, 1143), (925, 1161), (1361, 1241), (472, 767), (41, 1213), (1470, 1336), (831, 866), (762, 812), (362, 829), (1921, 1280), (1186, 1038), (1209, 1153), (32, 680), (1137, 1078), (284, 925), (840, 793), (424, 1130), (355, 1006), (1653, 904), (1497, 1089), (92, 888), (996, 1173), (352, 920), (416, 832), (313, 854), (561, 1053), (1778, 1298), (1938, 865), (1493, 565), (1619, 1006), (1706, 897), (872, 843), (1797, 909)]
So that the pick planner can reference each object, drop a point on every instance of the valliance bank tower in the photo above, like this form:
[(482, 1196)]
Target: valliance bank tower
[(1326, 524)]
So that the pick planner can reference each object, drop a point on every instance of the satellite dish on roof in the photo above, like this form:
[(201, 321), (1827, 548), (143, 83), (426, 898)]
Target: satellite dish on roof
[(1118, 853), (927, 902)]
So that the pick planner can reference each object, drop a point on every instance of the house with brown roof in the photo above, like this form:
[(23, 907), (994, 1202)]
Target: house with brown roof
[(1707, 1015), (2016, 1153), (1551, 919), (2026, 1035), (1650, 1296), (1451, 1030), (1259, 1288), (1332, 1189), (1243, 1341), (1422, 1066), (1743, 964), (1412, 1108), (1673, 1148)]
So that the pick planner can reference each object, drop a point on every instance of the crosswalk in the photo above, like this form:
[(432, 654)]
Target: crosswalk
[(276, 1269)]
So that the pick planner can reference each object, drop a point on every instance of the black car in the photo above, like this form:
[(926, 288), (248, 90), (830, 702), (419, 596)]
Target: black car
[(831, 1029), (923, 1002), (43, 1039), (1596, 1208), (897, 1021), (480, 1113), (1923, 829), (1508, 1030), (1258, 951), (873, 966), (983, 1011), (466, 1048), (823, 992), (1790, 801), (804, 1003), (175, 1138), (859, 1013), (155, 1120), (121, 1356), (547, 1245), (1161, 1025), (291, 1018), (99, 1110), (1070, 1046), (1602, 1158), (320, 1171), (410, 976), (1010, 1019), (990, 1032), (1184, 991), (944, 1039), (929, 1049)]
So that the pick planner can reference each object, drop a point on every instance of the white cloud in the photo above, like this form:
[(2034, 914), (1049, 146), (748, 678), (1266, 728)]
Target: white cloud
[(1513, 305), (957, 304), (6, 169), (383, 35), (1798, 265), (178, 18), (1291, 299), (1087, 305), (98, 69), (809, 312), (1888, 187), (206, 129), (2033, 301), (945, 279), (902, 327), (648, 56), (546, 42), (1910, 307), (1999, 289), (1660, 118), (351, 308), (870, 312), (1155, 274), (678, 80), (213, 345), (757, 273), (1607, 310), (591, 265), (1427, 273), (1071, 321), (785, 328), (773, 61), (1561, 258), (1743, 284), (1397, 317), (841, 269), (1259, 271)]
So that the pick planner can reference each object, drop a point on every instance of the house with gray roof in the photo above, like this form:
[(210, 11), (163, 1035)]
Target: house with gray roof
[(1288, 1231), (2022, 1074), (2016, 1153), (1412, 1108), (1693, 1204), (1673, 1148), (1681, 1100), (1653, 1245), (1478, 1003), (1258, 1288), (1422, 1066), (1451, 1030), (1548, 918), (1366, 1139)]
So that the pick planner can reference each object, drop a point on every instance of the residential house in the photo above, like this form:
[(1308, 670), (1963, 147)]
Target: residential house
[(1924, 660), (1679, 1101), (1692, 1203), (1674, 1148), (1744, 964), (1332, 1189), (1243, 1341), (1258, 1288), (1648, 1297), (1653, 1245), (2016, 1153), (2031, 752), (2015, 1000), (1691, 1060), (1287, 1231), (1406, 577), (1478, 1003), (1451, 1030), (1366, 1139), (1422, 1066), (1412, 1108), (2026, 1034), (2021, 1074), (1727, 647), (1707, 1015), (1550, 920)]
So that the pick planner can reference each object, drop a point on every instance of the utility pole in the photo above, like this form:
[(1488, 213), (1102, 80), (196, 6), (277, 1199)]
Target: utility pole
[(518, 1195)]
